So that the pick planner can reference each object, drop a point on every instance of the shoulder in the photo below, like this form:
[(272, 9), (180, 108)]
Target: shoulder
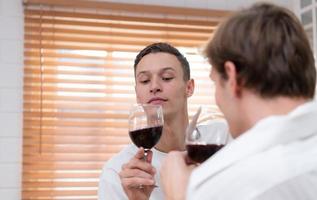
[(109, 182), (112, 167), (257, 175), (122, 157)]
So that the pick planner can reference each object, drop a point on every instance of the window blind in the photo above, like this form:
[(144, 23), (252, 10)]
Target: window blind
[(79, 85)]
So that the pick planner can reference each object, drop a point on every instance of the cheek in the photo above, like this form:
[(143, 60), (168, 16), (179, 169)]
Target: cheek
[(218, 97), (175, 90), (140, 94), (181, 92)]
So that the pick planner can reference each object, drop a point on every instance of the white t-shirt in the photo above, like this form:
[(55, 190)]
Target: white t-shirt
[(110, 185), (274, 160)]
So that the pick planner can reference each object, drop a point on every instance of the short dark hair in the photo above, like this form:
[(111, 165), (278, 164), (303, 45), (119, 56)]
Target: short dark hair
[(270, 50), (165, 48)]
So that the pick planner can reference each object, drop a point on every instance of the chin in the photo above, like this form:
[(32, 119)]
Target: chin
[(235, 132)]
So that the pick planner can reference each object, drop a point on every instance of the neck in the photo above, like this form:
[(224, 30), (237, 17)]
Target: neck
[(256, 108), (173, 135)]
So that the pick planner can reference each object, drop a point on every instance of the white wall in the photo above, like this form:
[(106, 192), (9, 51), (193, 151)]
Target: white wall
[(11, 81)]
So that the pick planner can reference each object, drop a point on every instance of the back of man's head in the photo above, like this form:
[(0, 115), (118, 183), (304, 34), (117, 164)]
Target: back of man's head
[(270, 50)]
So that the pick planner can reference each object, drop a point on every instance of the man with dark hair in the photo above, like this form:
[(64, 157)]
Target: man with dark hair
[(166, 48), (265, 80), (162, 76)]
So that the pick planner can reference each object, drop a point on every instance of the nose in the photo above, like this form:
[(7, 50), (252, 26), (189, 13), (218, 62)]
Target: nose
[(155, 90), (155, 86)]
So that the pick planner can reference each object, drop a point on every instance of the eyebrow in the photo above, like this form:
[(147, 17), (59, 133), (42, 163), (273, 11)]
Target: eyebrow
[(162, 70), (167, 68)]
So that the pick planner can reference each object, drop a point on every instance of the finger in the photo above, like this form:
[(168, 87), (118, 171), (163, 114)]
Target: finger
[(139, 164), (130, 173), (149, 156), (139, 154), (137, 181)]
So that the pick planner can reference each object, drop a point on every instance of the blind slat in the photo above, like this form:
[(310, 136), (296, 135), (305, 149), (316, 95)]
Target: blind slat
[(105, 47), (34, 194), (117, 33), (165, 10), (28, 89), (116, 18), (109, 40), (76, 148), (61, 114), (64, 123), (40, 166), (95, 25), (69, 157), (76, 105), (79, 81), (79, 131), (53, 184)]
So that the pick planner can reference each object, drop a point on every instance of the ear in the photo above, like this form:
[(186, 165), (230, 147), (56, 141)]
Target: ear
[(190, 87), (231, 72)]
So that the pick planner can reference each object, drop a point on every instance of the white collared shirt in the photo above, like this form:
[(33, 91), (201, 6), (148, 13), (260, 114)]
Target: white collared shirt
[(276, 159)]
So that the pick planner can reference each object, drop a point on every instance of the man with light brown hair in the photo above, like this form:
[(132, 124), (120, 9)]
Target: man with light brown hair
[(265, 80)]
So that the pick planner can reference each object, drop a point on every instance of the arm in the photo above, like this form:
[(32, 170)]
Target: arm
[(175, 175)]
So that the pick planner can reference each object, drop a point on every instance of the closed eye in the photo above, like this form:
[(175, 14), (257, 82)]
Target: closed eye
[(144, 81), (167, 78)]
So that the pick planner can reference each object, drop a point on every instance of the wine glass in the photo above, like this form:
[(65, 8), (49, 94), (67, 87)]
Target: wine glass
[(146, 125), (207, 136)]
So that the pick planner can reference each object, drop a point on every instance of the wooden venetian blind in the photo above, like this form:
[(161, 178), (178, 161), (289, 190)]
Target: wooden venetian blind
[(79, 85)]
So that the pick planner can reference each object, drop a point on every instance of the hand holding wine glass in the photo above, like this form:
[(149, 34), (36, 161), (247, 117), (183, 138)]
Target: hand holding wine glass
[(145, 127), (206, 136), (137, 176)]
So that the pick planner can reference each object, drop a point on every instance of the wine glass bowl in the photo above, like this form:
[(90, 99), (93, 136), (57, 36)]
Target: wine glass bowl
[(209, 135), (146, 125)]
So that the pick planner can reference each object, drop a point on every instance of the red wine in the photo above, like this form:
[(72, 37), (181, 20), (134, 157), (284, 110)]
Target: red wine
[(201, 152), (147, 137)]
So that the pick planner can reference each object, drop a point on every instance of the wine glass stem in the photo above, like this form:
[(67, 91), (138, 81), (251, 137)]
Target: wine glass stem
[(146, 151)]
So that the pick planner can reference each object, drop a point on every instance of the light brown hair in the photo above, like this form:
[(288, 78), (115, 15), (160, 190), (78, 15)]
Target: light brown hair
[(270, 50)]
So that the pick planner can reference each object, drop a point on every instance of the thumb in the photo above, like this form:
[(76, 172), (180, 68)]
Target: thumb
[(149, 156), (139, 154)]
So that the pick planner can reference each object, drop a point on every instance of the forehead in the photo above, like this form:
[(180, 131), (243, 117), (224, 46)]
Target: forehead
[(157, 61)]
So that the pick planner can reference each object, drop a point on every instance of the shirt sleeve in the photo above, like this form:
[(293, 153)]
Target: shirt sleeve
[(110, 186)]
